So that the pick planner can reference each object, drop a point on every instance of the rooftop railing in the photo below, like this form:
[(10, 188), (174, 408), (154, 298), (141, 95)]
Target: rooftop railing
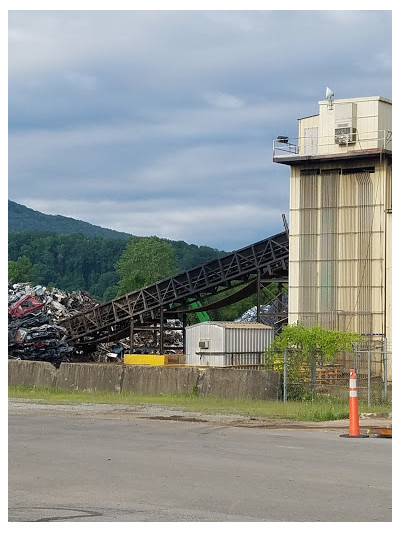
[(286, 147)]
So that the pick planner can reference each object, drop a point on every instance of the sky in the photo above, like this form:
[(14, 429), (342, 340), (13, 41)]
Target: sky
[(161, 122)]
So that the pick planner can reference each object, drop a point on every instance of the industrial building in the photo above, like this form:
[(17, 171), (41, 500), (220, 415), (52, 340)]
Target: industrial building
[(340, 224)]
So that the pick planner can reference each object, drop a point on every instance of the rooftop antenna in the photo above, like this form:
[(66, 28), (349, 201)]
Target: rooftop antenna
[(329, 94)]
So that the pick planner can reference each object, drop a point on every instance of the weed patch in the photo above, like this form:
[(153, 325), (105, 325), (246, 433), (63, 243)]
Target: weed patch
[(314, 410)]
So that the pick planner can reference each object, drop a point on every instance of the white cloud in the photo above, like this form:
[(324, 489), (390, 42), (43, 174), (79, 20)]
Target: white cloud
[(225, 101)]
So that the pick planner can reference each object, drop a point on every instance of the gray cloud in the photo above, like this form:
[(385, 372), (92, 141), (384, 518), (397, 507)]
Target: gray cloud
[(161, 122)]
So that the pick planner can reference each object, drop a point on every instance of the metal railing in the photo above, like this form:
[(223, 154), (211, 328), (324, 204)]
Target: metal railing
[(324, 145)]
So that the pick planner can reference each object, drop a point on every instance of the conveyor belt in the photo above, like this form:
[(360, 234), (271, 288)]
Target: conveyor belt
[(112, 319)]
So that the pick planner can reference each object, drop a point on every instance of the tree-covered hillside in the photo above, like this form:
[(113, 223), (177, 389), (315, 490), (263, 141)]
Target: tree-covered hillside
[(69, 262), (21, 218), (75, 262), (74, 255)]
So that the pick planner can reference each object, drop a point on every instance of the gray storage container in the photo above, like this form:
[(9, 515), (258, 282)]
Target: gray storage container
[(227, 343)]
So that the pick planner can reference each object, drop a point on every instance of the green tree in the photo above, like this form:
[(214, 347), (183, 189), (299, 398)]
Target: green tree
[(145, 261), (110, 293), (190, 255), (314, 341), (21, 271), (12, 270), (305, 346), (106, 287)]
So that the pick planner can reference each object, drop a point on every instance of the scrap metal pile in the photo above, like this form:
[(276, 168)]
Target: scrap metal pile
[(34, 332), (268, 312), (144, 342), (33, 316), (147, 342)]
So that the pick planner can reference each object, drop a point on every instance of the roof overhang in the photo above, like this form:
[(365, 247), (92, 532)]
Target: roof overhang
[(354, 154)]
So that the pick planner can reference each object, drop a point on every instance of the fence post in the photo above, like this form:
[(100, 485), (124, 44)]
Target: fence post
[(385, 368), (314, 376), (284, 374)]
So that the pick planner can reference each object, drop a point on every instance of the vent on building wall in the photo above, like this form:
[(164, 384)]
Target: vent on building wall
[(358, 170), (204, 344)]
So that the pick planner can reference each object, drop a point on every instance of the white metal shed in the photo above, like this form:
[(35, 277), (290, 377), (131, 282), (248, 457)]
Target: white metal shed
[(227, 343)]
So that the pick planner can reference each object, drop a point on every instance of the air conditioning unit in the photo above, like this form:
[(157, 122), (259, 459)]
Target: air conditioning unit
[(204, 344), (345, 133), (345, 122)]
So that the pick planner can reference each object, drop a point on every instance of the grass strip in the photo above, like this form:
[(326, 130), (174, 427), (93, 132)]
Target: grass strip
[(321, 409)]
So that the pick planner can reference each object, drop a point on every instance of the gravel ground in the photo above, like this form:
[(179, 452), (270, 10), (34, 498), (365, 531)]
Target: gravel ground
[(367, 421)]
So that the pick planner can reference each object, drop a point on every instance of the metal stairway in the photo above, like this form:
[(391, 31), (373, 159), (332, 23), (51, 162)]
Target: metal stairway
[(268, 259)]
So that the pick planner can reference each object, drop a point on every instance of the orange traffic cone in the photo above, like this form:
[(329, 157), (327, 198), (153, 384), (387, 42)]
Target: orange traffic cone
[(354, 426)]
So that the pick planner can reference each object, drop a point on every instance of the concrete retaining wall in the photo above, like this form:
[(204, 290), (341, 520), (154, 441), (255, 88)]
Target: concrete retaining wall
[(152, 380), (90, 376), (31, 373), (232, 383), (160, 379)]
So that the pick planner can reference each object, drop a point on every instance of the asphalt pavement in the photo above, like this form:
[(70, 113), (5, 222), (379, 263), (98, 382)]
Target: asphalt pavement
[(115, 464)]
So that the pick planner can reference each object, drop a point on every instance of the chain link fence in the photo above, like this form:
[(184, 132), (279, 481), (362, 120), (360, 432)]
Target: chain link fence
[(370, 359)]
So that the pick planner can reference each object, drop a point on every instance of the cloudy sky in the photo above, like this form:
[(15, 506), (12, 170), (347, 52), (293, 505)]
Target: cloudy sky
[(161, 122)]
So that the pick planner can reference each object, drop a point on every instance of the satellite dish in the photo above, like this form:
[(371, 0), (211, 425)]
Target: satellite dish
[(329, 94)]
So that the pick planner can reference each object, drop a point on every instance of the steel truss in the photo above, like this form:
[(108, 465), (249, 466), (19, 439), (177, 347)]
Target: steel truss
[(112, 320), (280, 315)]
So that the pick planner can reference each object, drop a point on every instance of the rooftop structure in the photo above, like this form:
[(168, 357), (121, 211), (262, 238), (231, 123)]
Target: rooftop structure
[(352, 128)]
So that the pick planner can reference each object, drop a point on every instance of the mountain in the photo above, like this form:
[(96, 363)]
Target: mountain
[(75, 255), (21, 218)]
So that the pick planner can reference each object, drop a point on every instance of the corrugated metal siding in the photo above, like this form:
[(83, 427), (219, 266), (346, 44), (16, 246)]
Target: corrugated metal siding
[(337, 250), (207, 331), (389, 188), (229, 343), (388, 272), (328, 247), (364, 252), (308, 243), (248, 344)]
